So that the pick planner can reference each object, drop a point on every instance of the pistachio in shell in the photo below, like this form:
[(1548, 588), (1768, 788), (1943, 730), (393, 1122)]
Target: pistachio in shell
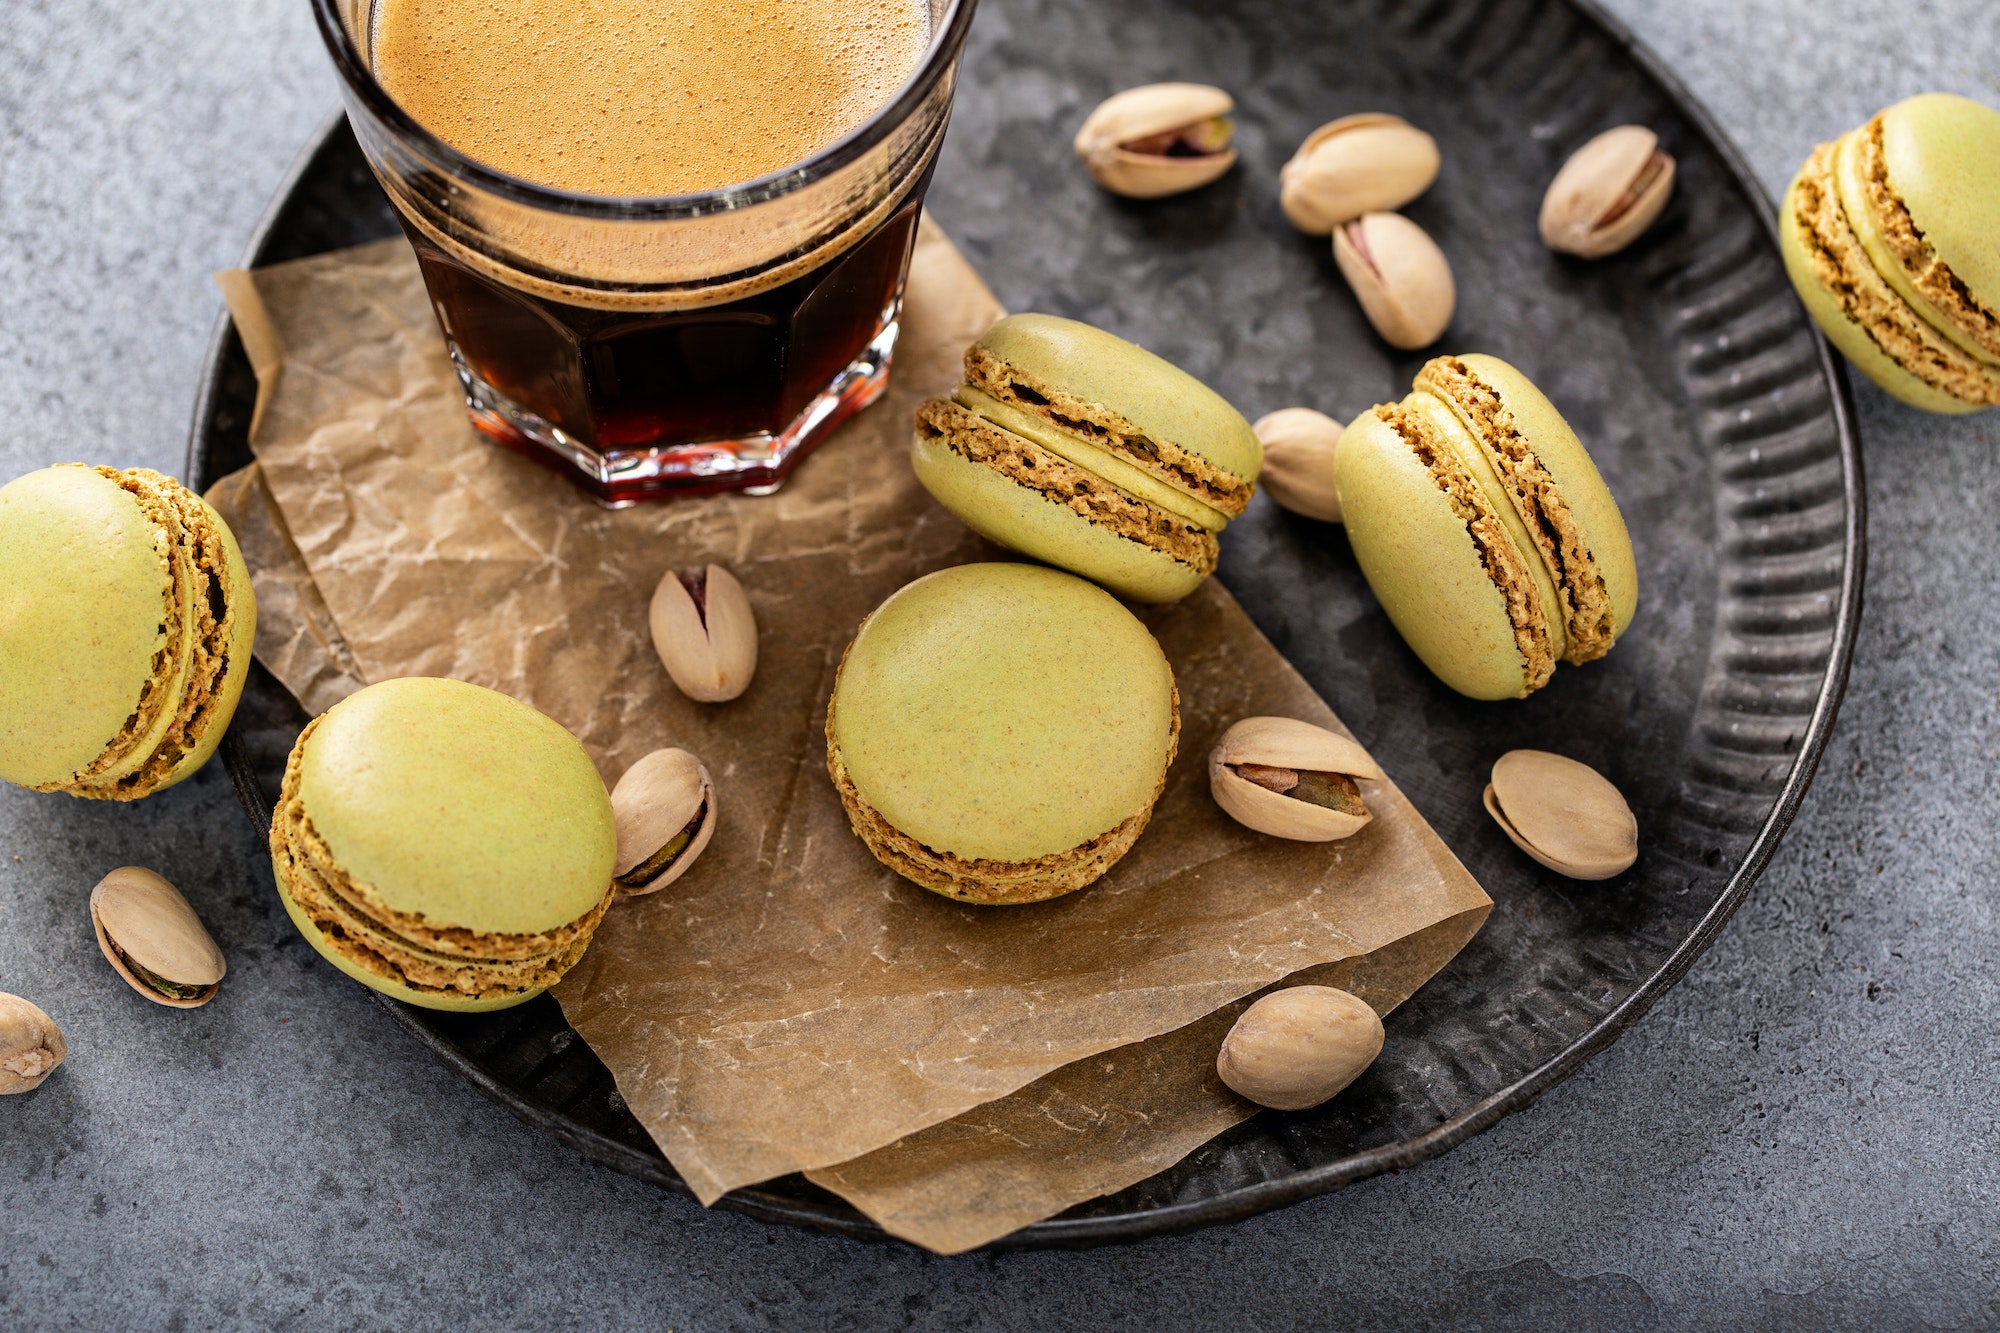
[(1564, 814), (1158, 140), (1299, 1046), (1299, 445), (664, 809), (1399, 275), (31, 1045), (1370, 163), (153, 939), (1608, 193), (705, 633), (1291, 779)]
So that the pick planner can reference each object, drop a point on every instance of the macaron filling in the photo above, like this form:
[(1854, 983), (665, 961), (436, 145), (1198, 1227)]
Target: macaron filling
[(1841, 265), (1080, 452), (1182, 469), (1483, 510), (180, 702), (1573, 584), (1896, 246), (1027, 463)]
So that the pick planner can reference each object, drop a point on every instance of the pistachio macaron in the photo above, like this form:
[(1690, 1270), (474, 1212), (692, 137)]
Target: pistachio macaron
[(1891, 234), (1484, 528), (998, 733), (443, 843), (1077, 448), (126, 621)]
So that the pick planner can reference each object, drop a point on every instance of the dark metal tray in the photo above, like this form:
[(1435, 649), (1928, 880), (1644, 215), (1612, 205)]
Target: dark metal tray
[(1709, 402)]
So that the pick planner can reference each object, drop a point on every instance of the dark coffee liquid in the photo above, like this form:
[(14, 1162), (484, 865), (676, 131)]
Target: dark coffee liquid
[(618, 382)]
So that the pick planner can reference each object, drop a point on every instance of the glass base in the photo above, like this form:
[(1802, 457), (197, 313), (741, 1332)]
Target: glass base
[(755, 464)]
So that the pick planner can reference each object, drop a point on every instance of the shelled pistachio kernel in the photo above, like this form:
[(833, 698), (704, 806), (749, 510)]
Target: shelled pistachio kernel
[(1608, 193), (1299, 1046), (664, 810), (31, 1045), (705, 632), (1291, 779), (1299, 445), (153, 939), (1370, 163), (1158, 140), (1564, 814)]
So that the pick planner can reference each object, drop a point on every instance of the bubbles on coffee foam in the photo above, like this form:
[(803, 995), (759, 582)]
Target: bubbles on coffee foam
[(637, 98)]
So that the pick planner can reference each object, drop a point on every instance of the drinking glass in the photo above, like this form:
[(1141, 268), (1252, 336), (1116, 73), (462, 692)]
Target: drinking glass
[(674, 345)]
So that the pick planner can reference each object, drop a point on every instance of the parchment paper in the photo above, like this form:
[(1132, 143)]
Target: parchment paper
[(790, 1004)]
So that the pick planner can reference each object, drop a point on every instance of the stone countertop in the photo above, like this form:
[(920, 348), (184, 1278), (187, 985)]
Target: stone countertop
[(1801, 1134)]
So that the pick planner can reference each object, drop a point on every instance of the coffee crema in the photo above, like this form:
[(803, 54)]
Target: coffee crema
[(644, 97)]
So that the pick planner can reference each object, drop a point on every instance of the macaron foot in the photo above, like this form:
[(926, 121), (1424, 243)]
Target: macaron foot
[(990, 883)]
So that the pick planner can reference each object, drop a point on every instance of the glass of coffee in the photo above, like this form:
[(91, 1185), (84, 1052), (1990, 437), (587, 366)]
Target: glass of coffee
[(665, 240)]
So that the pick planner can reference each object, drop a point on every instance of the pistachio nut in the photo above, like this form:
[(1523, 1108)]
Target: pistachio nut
[(705, 632), (1290, 779), (664, 809), (1164, 138), (1298, 1046), (1369, 163), (153, 939), (1562, 813), (31, 1045), (1608, 192), (1299, 444), (1401, 278)]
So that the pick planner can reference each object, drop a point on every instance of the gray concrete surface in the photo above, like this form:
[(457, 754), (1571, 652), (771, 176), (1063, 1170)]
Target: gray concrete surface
[(1802, 1135)]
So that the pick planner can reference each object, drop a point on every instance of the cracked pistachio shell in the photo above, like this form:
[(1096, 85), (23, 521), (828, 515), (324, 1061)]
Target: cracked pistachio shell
[(1106, 143), (31, 1045), (1299, 445), (705, 633), (1299, 1046), (144, 926), (1283, 742), (1609, 192), (1562, 813), (1399, 275), (653, 805), (1370, 163)]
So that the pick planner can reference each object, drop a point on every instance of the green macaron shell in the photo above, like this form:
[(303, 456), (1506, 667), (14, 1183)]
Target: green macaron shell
[(1023, 520), (1004, 712), (1942, 156), (1577, 481), (461, 805), (1149, 391), (1427, 573), (83, 589), (1849, 338), (394, 990)]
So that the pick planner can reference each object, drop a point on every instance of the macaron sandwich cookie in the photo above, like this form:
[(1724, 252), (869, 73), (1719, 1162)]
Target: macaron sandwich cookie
[(1082, 450), (126, 620), (1484, 529), (1891, 235), (443, 843), (998, 733)]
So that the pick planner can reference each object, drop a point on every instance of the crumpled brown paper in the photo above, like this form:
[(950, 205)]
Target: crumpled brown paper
[(790, 1004)]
